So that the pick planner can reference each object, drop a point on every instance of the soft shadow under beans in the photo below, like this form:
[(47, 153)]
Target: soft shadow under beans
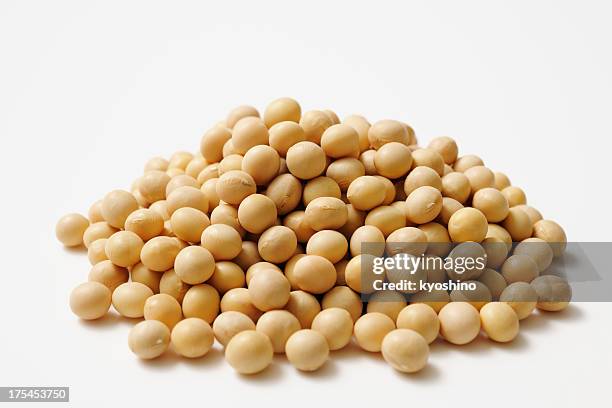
[(535, 322), (109, 320), (328, 370), (213, 358), (270, 375), (570, 314), (80, 249), (428, 374)]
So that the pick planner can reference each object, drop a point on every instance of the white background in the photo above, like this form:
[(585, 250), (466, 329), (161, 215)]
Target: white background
[(90, 90)]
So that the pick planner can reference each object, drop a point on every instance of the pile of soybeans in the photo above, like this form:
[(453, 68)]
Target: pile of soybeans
[(256, 241)]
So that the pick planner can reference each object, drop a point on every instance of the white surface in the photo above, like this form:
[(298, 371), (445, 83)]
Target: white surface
[(90, 90)]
